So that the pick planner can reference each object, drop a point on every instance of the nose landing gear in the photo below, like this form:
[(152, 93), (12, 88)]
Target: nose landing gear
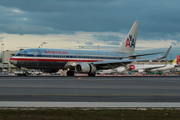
[(70, 73)]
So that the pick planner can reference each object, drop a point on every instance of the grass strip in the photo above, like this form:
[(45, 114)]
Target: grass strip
[(90, 114)]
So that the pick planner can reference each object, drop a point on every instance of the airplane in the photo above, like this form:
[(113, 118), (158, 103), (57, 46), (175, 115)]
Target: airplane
[(151, 68), (111, 71), (120, 69), (81, 61)]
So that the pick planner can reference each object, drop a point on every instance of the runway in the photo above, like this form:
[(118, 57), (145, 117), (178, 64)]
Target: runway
[(90, 89)]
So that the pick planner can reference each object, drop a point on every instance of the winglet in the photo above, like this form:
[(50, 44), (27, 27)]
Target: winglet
[(166, 54)]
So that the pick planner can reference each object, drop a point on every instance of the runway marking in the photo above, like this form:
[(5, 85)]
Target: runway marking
[(57, 86), (128, 82), (90, 95), (32, 105)]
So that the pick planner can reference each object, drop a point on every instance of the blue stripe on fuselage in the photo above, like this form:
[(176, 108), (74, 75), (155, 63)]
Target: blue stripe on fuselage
[(70, 56), (78, 54)]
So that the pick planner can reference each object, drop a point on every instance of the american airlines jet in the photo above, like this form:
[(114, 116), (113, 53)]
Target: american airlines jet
[(83, 61)]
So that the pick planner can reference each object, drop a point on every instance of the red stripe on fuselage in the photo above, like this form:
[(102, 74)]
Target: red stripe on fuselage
[(54, 60)]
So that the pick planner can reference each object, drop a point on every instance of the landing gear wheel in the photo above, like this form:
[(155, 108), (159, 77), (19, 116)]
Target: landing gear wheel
[(70, 73), (21, 75), (92, 74)]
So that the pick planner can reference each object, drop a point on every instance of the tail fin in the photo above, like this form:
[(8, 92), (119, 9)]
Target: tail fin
[(129, 44), (176, 61)]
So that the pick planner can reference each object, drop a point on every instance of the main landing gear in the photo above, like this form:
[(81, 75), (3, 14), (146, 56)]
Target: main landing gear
[(70, 73), (92, 74)]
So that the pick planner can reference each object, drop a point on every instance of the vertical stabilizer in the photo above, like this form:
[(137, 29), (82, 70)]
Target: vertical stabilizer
[(176, 61), (128, 46)]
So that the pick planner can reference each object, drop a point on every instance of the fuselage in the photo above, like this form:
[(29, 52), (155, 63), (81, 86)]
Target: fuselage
[(42, 58), (148, 67)]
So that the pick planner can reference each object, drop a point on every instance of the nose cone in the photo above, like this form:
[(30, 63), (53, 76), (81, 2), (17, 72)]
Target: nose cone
[(14, 62)]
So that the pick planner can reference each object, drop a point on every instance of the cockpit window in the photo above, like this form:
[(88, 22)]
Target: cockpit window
[(17, 54), (21, 53)]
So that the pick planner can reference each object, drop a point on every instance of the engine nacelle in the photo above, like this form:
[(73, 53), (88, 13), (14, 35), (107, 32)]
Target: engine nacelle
[(85, 68), (50, 70), (140, 70)]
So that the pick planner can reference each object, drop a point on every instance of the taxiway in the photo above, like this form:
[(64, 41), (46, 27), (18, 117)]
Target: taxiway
[(91, 89)]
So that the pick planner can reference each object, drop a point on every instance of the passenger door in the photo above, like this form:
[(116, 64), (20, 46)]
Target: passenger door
[(35, 56)]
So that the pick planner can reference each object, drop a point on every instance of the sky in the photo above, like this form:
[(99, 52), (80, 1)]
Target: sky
[(68, 24)]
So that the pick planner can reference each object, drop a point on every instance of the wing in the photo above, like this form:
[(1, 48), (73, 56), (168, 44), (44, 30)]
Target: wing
[(150, 68), (116, 63), (134, 56)]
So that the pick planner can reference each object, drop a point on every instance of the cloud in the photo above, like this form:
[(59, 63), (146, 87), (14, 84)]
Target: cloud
[(114, 43), (17, 11), (107, 38), (89, 43), (157, 19), (94, 22), (24, 18), (1, 38)]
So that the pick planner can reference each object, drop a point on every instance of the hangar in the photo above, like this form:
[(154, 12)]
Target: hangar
[(5, 64)]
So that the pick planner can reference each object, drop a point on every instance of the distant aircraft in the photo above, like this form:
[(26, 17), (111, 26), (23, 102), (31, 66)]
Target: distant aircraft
[(150, 68), (82, 61), (110, 71), (120, 69)]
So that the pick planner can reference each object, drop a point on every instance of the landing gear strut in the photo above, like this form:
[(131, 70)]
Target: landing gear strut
[(70, 73), (91, 74)]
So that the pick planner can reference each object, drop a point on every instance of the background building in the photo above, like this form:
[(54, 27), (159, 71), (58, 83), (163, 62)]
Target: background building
[(5, 61)]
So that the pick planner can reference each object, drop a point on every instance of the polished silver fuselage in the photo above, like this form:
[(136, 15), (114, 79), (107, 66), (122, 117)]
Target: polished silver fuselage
[(41, 58)]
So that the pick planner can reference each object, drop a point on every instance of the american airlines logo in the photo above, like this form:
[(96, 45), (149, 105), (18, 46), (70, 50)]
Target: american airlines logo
[(130, 42), (55, 52)]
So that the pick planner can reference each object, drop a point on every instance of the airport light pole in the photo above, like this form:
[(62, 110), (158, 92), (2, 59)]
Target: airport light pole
[(2, 54), (80, 47), (1, 49), (98, 47), (42, 44)]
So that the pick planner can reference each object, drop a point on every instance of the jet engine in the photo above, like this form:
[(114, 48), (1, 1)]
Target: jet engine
[(50, 70), (85, 68), (140, 70)]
